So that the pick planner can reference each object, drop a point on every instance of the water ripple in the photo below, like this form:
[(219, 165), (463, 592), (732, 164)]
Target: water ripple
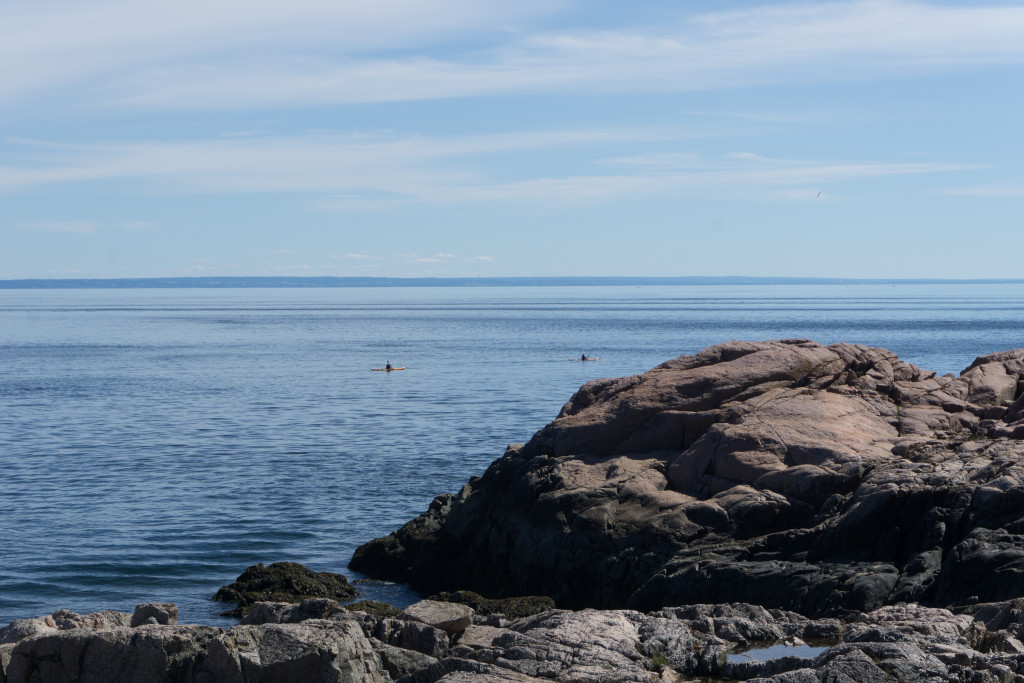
[(154, 443)]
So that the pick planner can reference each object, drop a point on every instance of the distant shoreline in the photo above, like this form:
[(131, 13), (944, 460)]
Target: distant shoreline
[(309, 282)]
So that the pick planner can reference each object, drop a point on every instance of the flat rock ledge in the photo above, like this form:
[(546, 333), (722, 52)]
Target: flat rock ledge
[(829, 481), (697, 642)]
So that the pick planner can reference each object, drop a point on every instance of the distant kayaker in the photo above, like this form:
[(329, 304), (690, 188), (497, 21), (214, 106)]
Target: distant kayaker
[(387, 366), (583, 357)]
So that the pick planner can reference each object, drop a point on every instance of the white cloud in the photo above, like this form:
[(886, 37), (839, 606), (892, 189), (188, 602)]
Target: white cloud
[(720, 180), (420, 169), (442, 257), (114, 42), (480, 259), (369, 168), (77, 227), (231, 54)]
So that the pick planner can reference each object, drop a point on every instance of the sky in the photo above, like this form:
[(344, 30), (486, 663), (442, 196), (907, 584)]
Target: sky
[(461, 138)]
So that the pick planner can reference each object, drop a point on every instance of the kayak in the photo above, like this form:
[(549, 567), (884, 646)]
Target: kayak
[(583, 359), (387, 369)]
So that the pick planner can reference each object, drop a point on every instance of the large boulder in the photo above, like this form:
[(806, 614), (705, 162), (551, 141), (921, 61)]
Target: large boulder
[(62, 620), (112, 655), (827, 480), (313, 651)]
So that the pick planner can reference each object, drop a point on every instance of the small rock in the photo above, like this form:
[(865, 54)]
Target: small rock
[(155, 613), (447, 616)]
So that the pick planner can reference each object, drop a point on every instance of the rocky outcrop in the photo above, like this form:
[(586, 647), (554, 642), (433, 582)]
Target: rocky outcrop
[(104, 648), (829, 481), (283, 582), (720, 642)]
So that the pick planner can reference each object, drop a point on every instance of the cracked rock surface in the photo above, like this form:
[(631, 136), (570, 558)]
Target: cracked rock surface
[(826, 480), (696, 642)]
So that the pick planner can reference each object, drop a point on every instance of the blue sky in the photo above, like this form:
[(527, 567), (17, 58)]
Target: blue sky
[(483, 138)]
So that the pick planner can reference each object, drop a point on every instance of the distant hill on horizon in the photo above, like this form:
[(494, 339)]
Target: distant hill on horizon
[(578, 281), (296, 282)]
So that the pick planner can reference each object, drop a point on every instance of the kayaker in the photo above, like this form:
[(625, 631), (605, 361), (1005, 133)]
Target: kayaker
[(583, 357), (387, 366)]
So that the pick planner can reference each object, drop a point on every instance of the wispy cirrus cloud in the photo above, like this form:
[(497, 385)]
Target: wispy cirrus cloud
[(1004, 189), (429, 169), (229, 55), (116, 43)]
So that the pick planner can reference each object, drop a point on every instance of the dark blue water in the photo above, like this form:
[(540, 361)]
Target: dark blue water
[(154, 443)]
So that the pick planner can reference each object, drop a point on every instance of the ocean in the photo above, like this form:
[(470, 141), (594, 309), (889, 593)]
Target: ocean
[(156, 442)]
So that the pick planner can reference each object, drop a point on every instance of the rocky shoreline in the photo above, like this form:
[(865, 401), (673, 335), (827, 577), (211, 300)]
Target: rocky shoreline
[(318, 640), (751, 495)]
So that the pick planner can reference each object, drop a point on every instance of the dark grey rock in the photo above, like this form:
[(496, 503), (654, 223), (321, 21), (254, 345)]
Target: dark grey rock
[(289, 613), (283, 582), (155, 613)]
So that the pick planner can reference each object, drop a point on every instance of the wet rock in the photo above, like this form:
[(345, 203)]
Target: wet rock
[(283, 582)]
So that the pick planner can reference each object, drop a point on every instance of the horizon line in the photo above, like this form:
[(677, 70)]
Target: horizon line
[(292, 281)]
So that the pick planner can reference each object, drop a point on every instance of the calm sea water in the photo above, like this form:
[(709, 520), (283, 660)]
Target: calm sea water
[(155, 443)]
